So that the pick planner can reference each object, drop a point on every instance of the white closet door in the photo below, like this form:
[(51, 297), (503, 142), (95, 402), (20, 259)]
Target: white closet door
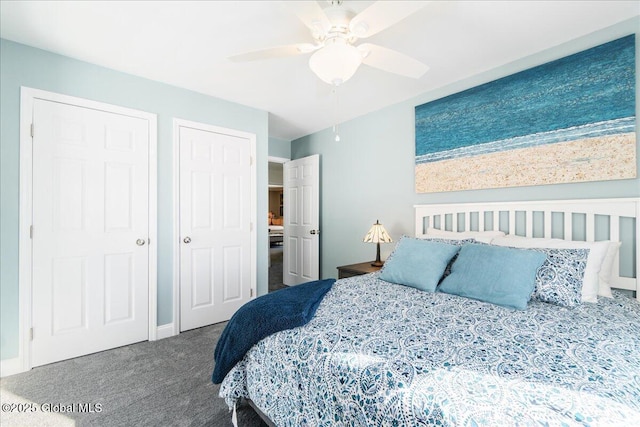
[(215, 226), (90, 230), (301, 261)]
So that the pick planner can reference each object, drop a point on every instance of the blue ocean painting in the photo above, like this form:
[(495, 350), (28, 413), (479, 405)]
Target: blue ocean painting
[(589, 94)]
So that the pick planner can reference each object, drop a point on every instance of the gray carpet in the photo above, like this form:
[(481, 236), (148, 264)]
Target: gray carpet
[(160, 383), (275, 271)]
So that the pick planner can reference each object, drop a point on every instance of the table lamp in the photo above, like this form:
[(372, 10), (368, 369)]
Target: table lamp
[(377, 234)]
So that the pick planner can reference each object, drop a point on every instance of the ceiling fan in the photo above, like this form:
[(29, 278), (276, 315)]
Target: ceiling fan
[(335, 31)]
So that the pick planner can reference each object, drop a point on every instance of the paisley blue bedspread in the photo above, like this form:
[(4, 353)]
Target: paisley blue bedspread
[(379, 354)]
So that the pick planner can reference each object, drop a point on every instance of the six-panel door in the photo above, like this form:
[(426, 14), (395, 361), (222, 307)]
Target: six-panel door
[(215, 226), (90, 230)]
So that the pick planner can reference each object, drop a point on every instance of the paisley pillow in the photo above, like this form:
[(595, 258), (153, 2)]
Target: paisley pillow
[(560, 278)]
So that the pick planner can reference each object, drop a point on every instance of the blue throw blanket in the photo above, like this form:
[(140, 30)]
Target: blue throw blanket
[(284, 309)]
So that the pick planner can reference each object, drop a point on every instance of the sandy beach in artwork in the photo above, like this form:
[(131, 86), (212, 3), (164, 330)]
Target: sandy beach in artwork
[(593, 159)]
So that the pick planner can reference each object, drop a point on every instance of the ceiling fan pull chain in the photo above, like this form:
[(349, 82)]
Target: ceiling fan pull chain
[(336, 114)]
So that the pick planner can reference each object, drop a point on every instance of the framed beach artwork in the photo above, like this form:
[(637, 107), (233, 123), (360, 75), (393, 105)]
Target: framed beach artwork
[(569, 120)]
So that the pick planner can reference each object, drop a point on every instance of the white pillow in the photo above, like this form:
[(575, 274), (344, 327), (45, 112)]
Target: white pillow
[(479, 236), (597, 254), (606, 270)]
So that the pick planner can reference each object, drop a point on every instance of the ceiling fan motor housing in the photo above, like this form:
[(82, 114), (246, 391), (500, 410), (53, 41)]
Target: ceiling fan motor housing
[(339, 16)]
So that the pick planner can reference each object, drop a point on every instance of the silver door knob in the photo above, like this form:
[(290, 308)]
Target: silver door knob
[(140, 242), (314, 232), (187, 239)]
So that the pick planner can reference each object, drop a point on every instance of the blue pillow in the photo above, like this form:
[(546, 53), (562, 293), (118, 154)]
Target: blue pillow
[(456, 242), (495, 274), (418, 263)]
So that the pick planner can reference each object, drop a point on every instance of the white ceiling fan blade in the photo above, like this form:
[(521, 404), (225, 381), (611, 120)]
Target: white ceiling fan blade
[(391, 61), (382, 15), (275, 52), (311, 14)]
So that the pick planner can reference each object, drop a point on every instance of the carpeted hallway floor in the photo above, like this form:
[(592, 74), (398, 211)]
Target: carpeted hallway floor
[(275, 270), (159, 383)]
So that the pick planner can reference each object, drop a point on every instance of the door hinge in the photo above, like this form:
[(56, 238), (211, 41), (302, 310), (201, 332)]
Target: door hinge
[(250, 226), (32, 133), (251, 293), (31, 334), (31, 231), (250, 160)]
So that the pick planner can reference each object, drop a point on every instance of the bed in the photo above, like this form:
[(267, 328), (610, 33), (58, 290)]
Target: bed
[(276, 234), (379, 352), (276, 230)]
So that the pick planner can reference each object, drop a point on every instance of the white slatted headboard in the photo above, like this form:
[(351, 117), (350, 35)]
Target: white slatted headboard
[(585, 220)]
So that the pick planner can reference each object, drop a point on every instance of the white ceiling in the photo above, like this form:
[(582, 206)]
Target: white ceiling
[(187, 43)]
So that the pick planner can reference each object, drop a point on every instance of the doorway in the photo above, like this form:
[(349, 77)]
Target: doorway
[(276, 223)]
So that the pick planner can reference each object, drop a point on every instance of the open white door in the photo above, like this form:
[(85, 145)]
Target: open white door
[(301, 220)]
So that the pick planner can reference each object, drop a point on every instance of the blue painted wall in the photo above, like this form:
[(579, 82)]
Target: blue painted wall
[(279, 147), (369, 174), (25, 66)]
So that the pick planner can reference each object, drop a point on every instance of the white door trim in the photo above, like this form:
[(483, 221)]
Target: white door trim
[(177, 123), (278, 159), (27, 100)]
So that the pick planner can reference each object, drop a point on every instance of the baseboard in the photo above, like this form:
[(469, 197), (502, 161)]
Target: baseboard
[(11, 367), (165, 331)]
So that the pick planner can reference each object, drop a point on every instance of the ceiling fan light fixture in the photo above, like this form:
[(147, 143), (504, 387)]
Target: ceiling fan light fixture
[(336, 62)]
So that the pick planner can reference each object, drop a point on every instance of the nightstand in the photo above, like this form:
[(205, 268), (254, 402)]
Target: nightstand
[(356, 269)]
